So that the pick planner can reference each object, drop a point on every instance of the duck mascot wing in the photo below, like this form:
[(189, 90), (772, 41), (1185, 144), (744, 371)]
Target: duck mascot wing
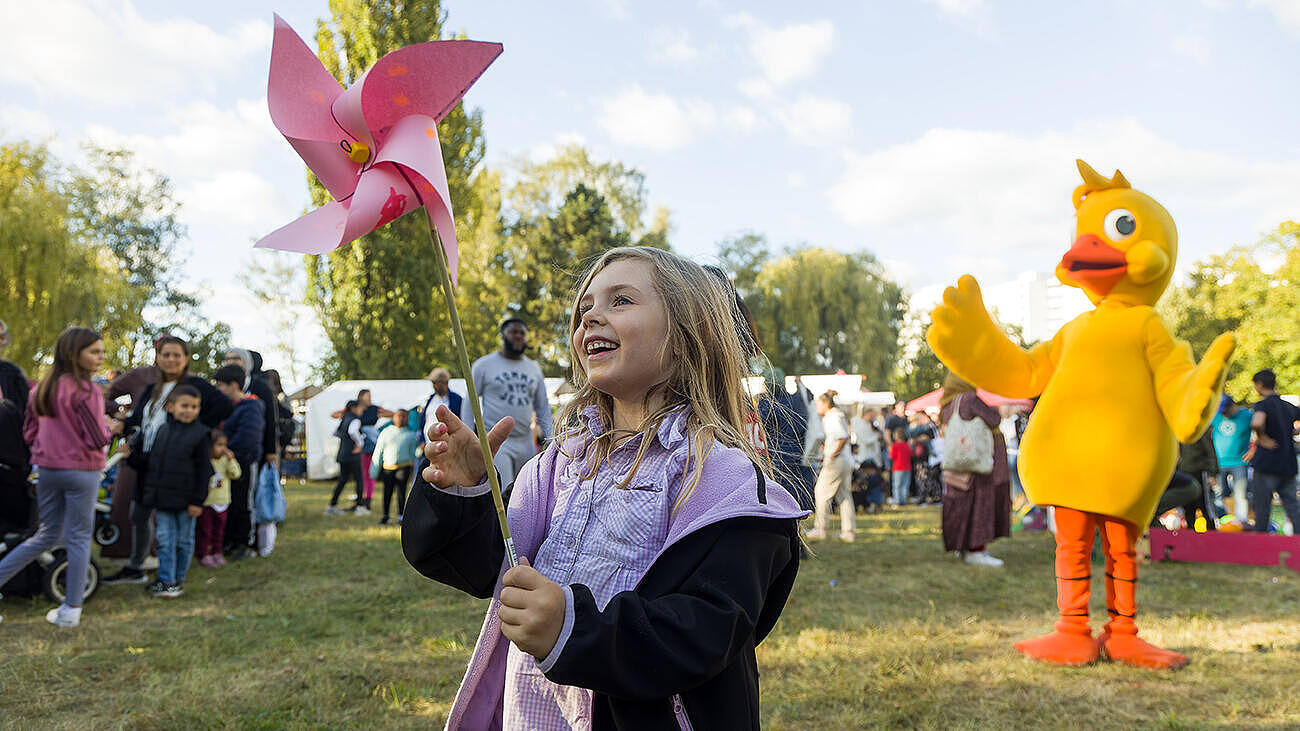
[(1117, 394)]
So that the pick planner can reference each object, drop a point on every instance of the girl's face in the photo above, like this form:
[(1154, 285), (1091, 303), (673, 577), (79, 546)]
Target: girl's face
[(622, 331), (218, 445), (91, 357), (171, 361)]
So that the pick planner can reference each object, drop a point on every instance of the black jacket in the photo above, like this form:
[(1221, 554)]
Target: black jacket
[(175, 472), (214, 407), (688, 629)]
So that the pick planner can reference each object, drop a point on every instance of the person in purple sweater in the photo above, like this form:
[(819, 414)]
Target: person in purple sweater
[(655, 551), (66, 428)]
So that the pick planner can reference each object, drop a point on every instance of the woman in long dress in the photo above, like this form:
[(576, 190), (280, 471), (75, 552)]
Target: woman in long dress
[(976, 507)]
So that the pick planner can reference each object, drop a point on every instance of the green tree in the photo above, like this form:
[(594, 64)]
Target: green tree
[(548, 256), (818, 310), (919, 370), (376, 297), (95, 247), (551, 236), (1250, 290), (275, 280), (50, 280), (742, 256), (116, 205)]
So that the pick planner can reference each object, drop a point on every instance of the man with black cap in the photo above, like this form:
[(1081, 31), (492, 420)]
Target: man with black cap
[(511, 384)]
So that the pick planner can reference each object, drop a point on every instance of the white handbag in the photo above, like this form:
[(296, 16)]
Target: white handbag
[(968, 443)]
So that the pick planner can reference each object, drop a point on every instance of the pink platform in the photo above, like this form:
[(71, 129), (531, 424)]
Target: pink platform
[(1247, 549)]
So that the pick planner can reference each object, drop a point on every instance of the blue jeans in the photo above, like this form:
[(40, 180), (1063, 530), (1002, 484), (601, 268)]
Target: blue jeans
[(1236, 479), (65, 501), (902, 486), (1263, 486), (175, 545)]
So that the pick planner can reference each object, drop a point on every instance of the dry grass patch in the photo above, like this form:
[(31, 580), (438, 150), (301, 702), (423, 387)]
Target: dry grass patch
[(336, 630)]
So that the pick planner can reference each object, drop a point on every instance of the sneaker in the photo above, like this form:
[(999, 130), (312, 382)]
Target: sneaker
[(155, 587), (171, 591), (847, 536), (399, 518), (126, 575), (64, 616), (239, 554), (208, 562), (218, 560), (361, 510), (333, 510), (383, 520), (982, 558)]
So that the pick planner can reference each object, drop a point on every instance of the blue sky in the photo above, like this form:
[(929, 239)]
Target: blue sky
[(939, 134)]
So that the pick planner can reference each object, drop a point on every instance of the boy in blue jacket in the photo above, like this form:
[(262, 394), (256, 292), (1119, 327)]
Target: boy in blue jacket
[(244, 429)]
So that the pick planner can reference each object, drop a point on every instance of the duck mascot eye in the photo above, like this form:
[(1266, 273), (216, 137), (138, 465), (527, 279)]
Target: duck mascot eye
[(1116, 364)]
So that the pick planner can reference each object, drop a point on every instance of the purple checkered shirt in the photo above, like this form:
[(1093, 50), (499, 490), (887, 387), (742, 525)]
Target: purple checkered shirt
[(604, 538)]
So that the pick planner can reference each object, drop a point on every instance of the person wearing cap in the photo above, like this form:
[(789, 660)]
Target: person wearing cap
[(510, 383), (442, 396)]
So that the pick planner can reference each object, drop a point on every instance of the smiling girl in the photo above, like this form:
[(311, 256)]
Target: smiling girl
[(65, 427), (655, 552)]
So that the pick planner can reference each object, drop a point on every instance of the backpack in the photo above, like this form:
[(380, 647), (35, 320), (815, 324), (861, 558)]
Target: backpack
[(968, 443)]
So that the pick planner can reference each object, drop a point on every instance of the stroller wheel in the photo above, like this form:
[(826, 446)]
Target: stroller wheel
[(106, 533), (56, 576)]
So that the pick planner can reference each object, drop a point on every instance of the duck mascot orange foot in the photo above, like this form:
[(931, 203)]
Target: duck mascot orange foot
[(1117, 394)]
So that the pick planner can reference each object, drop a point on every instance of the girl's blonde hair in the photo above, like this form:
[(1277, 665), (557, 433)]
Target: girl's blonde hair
[(706, 368)]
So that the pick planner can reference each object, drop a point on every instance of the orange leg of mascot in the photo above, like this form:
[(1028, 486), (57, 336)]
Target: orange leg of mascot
[(1072, 642)]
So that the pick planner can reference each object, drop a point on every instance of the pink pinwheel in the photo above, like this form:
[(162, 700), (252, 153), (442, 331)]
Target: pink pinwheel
[(375, 145)]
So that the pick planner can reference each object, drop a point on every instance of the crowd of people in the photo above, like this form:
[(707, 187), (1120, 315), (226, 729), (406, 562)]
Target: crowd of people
[(195, 458)]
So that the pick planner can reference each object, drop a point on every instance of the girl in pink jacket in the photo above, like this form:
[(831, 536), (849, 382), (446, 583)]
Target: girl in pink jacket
[(65, 428)]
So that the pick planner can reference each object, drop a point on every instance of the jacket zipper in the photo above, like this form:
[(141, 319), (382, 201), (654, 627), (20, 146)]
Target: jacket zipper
[(679, 710)]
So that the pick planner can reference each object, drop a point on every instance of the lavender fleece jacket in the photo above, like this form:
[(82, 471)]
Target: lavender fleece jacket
[(726, 489)]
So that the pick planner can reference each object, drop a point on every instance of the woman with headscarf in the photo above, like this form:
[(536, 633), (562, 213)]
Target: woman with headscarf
[(976, 507), (149, 413)]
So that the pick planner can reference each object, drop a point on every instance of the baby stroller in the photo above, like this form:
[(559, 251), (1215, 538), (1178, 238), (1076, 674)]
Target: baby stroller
[(18, 522)]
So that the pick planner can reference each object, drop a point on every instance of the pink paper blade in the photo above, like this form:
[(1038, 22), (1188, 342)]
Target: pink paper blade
[(426, 78)]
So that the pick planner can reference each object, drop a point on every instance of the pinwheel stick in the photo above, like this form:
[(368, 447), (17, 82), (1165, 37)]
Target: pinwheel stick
[(494, 481)]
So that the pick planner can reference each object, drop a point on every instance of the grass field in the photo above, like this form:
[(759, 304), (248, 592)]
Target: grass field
[(335, 630)]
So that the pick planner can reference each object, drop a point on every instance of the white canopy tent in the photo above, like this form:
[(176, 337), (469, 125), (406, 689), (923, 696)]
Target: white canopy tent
[(322, 445)]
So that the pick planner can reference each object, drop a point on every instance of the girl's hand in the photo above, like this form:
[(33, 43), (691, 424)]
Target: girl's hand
[(455, 457), (194, 510), (532, 610)]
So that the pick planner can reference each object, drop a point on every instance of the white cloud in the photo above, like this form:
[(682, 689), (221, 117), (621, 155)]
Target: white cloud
[(783, 54), (672, 46), (952, 193), (973, 15), (236, 198), (540, 153), (814, 120), (29, 124), (653, 120), (205, 138), (1287, 12), (106, 52), (741, 118)]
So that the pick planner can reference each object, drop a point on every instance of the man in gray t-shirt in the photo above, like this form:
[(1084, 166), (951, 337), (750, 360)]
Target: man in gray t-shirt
[(511, 384)]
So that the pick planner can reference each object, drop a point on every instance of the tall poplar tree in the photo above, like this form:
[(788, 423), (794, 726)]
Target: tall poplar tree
[(377, 297)]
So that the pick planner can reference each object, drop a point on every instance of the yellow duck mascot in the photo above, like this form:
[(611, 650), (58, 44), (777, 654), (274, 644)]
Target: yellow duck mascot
[(1118, 391)]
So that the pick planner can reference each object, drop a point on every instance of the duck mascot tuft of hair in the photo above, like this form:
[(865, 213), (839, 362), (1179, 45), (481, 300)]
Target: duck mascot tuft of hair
[(1118, 393)]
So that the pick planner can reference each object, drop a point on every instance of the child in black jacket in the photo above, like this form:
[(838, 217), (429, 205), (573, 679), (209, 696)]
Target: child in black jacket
[(174, 482)]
